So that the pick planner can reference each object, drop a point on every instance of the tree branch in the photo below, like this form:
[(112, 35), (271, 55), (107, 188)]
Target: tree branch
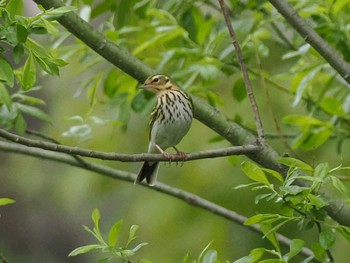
[(231, 131), (189, 198), (311, 37), (244, 69), (56, 147)]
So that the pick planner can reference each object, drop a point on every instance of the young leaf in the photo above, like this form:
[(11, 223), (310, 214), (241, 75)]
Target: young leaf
[(83, 250), (6, 72), (261, 218), (292, 162), (275, 174), (254, 172), (337, 184), (239, 91), (271, 235), (5, 97), (295, 247), (6, 201), (15, 7), (29, 73), (210, 256), (95, 216), (132, 233), (35, 112), (327, 238), (321, 170), (114, 233)]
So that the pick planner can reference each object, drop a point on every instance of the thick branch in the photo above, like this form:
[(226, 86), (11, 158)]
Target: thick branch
[(311, 37), (187, 197), (234, 150), (206, 114)]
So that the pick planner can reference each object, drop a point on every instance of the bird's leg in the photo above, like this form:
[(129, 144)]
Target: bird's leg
[(165, 154), (182, 155)]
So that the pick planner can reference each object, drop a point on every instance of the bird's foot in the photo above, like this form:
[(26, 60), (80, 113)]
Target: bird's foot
[(182, 155)]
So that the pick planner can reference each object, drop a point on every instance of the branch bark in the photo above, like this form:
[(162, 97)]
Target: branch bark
[(211, 117), (182, 195)]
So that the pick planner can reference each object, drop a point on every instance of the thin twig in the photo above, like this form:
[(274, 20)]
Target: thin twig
[(187, 197), (56, 147), (244, 69)]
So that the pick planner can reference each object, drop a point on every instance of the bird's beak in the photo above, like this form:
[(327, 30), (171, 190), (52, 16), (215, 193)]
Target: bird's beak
[(143, 86)]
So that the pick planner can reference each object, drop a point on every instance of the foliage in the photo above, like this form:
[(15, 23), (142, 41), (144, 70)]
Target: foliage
[(109, 247), (300, 204), (123, 253)]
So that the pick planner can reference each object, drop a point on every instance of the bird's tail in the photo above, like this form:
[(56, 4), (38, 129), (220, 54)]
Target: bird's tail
[(149, 172)]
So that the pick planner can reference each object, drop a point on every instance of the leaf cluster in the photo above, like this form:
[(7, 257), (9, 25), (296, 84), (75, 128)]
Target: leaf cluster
[(300, 204), (110, 247), (19, 78)]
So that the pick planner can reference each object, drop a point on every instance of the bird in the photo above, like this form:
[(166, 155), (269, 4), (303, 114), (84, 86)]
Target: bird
[(171, 119)]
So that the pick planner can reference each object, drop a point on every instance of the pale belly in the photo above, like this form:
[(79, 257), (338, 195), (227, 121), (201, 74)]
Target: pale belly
[(168, 135)]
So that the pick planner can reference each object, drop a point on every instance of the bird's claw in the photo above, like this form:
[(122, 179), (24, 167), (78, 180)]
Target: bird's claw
[(171, 157)]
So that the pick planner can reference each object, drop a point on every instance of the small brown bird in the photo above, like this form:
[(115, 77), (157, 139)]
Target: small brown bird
[(171, 119)]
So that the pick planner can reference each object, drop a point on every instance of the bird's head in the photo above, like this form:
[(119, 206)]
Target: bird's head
[(158, 83)]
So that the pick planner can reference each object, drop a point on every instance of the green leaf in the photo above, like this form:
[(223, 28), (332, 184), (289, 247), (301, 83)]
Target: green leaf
[(254, 172), (5, 97), (246, 259), (22, 33), (316, 201), (35, 112), (315, 138), (256, 254), (6, 201), (15, 7), (332, 106), (239, 91), (261, 218), (187, 258), (201, 255), (319, 251), (301, 120), (338, 185), (114, 233), (344, 231), (292, 162), (95, 216), (53, 14), (275, 174), (271, 235), (327, 237), (29, 73), (83, 250), (18, 52), (20, 124), (321, 170), (210, 256), (132, 233), (295, 247), (6, 72)]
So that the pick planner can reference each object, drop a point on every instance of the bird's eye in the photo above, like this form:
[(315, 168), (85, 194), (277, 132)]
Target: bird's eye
[(155, 80)]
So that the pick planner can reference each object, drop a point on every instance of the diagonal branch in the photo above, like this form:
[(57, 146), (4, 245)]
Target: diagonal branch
[(211, 117), (56, 147), (182, 195)]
